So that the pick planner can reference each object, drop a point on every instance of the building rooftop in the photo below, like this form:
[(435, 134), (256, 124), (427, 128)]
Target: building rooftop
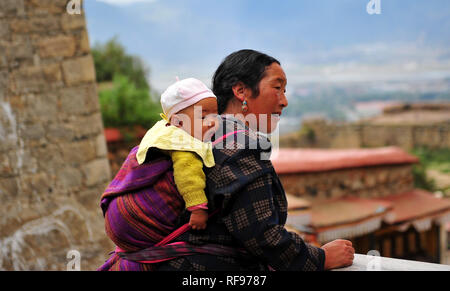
[(419, 208), (112, 135), (353, 216), (340, 218), (299, 160)]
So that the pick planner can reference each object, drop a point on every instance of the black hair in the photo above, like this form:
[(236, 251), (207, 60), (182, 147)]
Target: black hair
[(246, 66)]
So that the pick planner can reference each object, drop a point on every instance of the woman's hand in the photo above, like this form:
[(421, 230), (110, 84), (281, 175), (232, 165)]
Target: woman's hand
[(338, 253)]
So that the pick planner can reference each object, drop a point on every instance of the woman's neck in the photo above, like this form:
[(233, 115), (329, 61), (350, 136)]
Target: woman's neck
[(233, 107)]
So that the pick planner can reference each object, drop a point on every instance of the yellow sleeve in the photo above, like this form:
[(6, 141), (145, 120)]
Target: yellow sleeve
[(189, 177)]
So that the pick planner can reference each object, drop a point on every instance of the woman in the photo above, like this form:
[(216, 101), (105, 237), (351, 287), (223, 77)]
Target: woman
[(243, 188)]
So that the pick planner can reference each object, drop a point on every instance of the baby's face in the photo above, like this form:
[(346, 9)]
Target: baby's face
[(199, 120)]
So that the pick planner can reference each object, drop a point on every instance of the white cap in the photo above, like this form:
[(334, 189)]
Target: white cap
[(183, 94)]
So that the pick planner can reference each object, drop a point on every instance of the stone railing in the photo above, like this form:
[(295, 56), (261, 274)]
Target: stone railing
[(374, 263)]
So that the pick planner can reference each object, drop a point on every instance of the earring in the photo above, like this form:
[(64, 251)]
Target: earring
[(244, 106)]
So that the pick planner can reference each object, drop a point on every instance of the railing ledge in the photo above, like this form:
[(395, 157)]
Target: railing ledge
[(374, 263)]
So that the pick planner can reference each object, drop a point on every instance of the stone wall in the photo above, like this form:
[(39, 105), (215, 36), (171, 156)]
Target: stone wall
[(53, 155), (324, 134), (319, 133), (367, 182)]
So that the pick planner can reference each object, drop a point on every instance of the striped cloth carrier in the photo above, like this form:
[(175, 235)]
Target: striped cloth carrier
[(141, 207)]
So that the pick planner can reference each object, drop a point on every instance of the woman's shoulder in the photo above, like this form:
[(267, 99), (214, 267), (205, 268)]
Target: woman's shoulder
[(242, 158), (234, 139)]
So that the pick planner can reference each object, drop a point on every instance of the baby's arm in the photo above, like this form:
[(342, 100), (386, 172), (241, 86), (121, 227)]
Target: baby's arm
[(191, 181)]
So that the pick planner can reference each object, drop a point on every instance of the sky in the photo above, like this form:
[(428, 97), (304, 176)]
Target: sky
[(315, 40)]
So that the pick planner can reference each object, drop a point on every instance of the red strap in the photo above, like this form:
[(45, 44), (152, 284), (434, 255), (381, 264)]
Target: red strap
[(178, 232), (225, 136)]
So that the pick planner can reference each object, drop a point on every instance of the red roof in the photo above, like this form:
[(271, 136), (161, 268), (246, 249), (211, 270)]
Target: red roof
[(316, 160), (340, 218), (416, 204), (113, 135), (344, 211), (353, 216)]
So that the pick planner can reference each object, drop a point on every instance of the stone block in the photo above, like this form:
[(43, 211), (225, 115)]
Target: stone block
[(49, 158), (80, 100), (84, 46), (46, 6), (41, 24), (57, 46), (3, 62), (77, 153), (52, 73), (28, 80), (6, 168), (100, 146), (8, 188), (87, 126), (35, 185), (33, 131), (7, 144), (11, 7), (369, 180), (79, 70), (382, 176), (73, 22), (20, 51), (68, 177), (96, 172), (40, 108), (89, 198), (16, 50), (60, 132), (4, 29), (4, 81)]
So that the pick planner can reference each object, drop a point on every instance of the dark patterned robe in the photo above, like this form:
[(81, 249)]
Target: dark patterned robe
[(253, 211)]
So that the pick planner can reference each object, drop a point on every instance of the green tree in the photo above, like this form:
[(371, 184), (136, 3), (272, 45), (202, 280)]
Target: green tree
[(124, 104), (436, 159), (126, 100), (111, 59)]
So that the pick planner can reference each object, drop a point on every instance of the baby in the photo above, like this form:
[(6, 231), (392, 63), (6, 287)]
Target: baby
[(189, 119)]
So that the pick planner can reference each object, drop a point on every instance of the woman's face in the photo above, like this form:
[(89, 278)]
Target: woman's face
[(269, 104)]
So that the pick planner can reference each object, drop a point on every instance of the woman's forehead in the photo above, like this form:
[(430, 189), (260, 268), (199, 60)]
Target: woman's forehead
[(274, 73)]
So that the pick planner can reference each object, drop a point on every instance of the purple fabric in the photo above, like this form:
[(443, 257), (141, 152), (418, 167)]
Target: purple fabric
[(141, 206), (133, 176)]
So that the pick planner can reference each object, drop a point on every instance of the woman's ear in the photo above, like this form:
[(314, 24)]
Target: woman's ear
[(239, 91)]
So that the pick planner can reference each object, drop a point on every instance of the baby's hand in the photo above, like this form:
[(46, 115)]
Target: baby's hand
[(198, 219)]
